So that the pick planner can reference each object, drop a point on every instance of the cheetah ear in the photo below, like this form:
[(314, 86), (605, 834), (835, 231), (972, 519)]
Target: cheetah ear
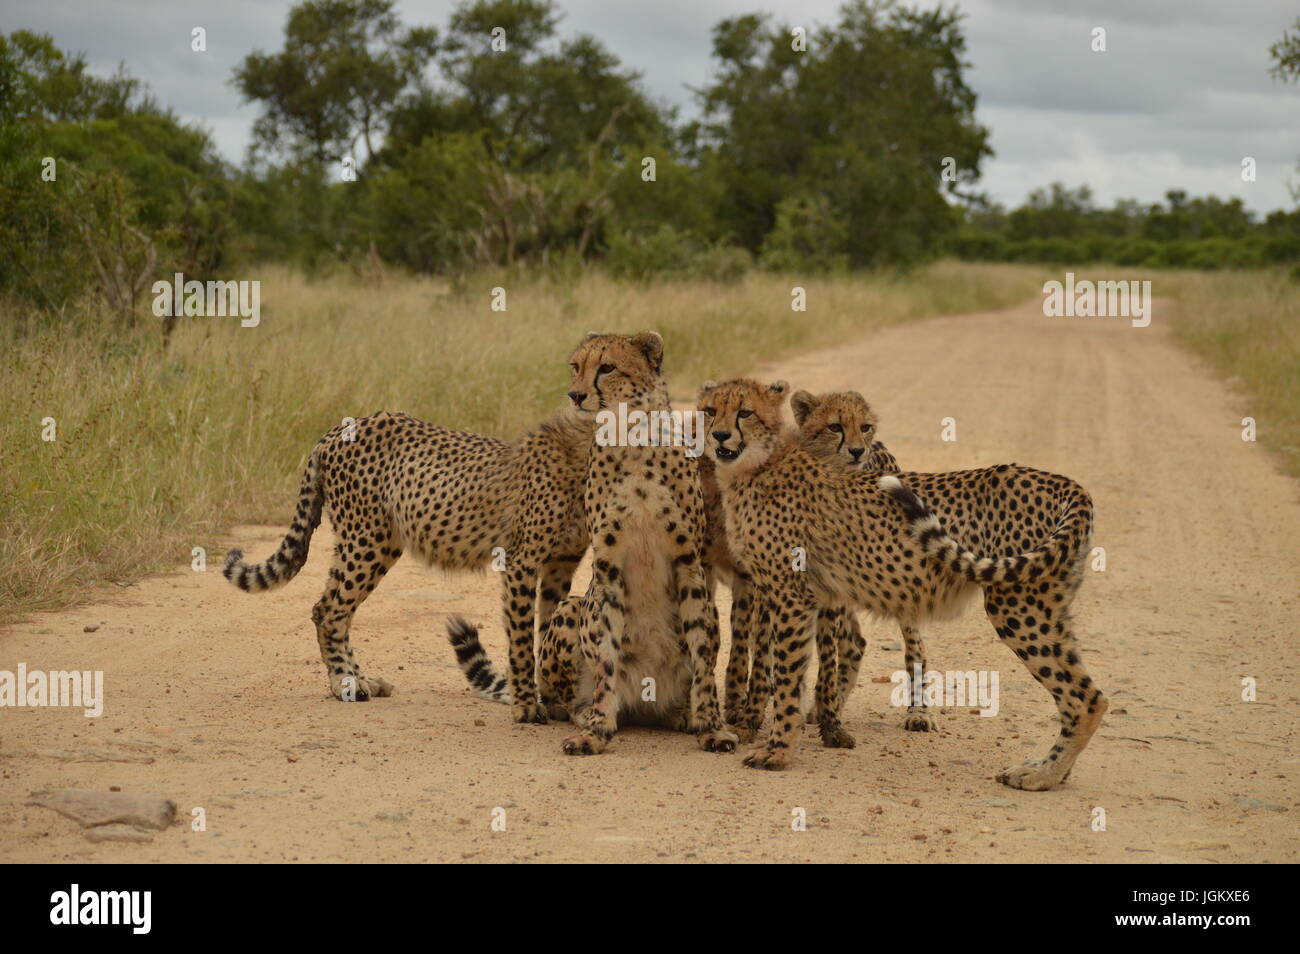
[(803, 404), (590, 335), (652, 346), (706, 387)]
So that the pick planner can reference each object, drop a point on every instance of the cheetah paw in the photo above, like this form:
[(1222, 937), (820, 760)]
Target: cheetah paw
[(584, 743), (1033, 775), (835, 736), (530, 712), (918, 720), (719, 740), (360, 688), (767, 759)]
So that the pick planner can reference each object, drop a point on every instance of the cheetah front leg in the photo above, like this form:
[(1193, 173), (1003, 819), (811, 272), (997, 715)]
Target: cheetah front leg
[(795, 617), (760, 677), (919, 717), (852, 644), (737, 676), (699, 622), (603, 628), (558, 660), (831, 623), (827, 694)]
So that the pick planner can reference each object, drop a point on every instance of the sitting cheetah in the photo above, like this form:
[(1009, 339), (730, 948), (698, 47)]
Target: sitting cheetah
[(647, 613), (458, 501), (640, 647), (869, 542)]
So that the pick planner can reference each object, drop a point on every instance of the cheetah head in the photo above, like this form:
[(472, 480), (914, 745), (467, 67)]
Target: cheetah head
[(609, 370), (836, 428), (742, 419)]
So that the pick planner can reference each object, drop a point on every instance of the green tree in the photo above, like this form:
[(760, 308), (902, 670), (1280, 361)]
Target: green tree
[(98, 184), (1285, 54), (344, 65), (870, 117)]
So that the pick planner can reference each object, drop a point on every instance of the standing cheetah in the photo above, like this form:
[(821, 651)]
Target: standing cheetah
[(456, 500), (837, 428), (879, 548)]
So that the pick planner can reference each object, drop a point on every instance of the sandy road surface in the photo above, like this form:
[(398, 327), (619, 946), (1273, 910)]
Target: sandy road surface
[(217, 699)]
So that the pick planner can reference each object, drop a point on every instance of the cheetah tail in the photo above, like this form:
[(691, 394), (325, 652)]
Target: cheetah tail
[(1069, 537), (474, 662), (285, 563)]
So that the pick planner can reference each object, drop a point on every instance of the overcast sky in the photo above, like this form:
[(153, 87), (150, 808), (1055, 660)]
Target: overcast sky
[(1181, 95)]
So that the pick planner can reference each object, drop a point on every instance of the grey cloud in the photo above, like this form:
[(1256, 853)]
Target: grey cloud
[(1180, 95)]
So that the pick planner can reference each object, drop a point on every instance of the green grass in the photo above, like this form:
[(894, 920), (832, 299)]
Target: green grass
[(1247, 324), (159, 452)]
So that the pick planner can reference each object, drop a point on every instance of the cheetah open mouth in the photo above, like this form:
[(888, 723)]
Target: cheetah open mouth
[(726, 453)]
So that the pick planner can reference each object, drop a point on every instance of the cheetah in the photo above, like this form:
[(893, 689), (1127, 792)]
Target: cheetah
[(839, 429), (458, 501), (641, 645), (869, 542), (647, 614)]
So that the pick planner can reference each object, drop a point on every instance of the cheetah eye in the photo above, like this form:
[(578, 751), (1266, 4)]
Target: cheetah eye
[(606, 368), (573, 368), (744, 413), (834, 428), (868, 428), (710, 412)]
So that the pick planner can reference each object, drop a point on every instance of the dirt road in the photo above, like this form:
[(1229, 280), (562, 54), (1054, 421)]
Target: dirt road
[(218, 700)]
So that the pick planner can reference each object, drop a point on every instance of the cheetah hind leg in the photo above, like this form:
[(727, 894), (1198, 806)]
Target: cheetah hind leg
[(699, 625), (333, 615), (600, 629), (1056, 665)]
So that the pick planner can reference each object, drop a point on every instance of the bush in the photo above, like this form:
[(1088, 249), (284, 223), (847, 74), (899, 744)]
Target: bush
[(809, 236), (722, 263), (671, 253)]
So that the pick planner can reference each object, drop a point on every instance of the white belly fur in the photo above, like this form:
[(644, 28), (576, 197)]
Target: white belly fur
[(652, 628)]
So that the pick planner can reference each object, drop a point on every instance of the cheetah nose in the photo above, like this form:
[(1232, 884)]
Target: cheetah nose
[(577, 398), (721, 436), (856, 452)]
